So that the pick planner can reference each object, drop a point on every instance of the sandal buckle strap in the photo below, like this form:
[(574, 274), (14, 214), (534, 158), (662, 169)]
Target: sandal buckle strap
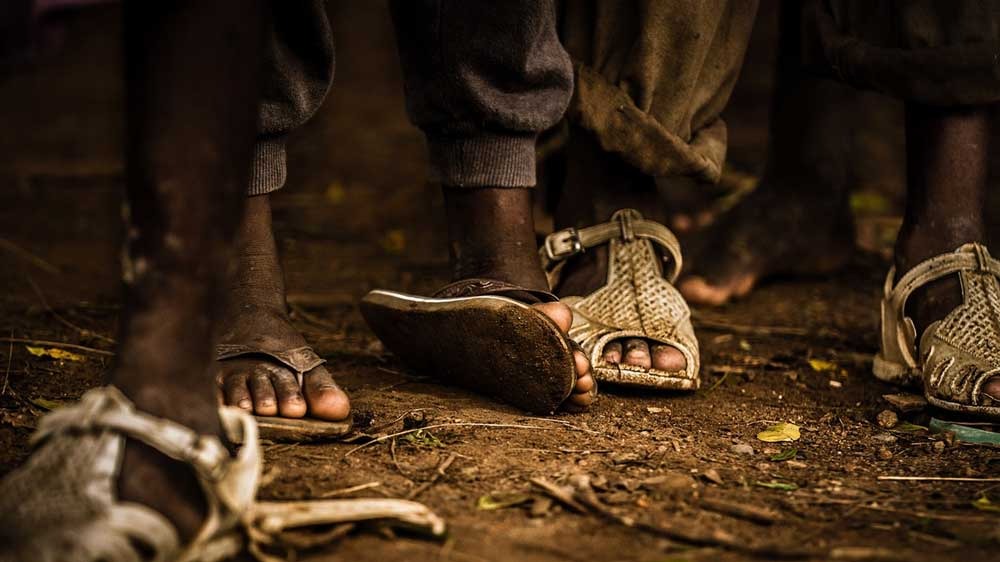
[(563, 244)]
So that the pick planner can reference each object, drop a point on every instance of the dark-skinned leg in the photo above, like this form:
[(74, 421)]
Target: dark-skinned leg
[(947, 154), (256, 309), (804, 189), (491, 235), (192, 83), (601, 183)]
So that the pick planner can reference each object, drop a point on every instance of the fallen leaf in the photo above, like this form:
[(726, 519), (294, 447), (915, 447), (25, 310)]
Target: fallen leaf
[(394, 241), (785, 455), (779, 432), (490, 502), (984, 504), (820, 365), (775, 485), (47, 404), (909, 427), (54, 353), (422, 439), (335, 192)]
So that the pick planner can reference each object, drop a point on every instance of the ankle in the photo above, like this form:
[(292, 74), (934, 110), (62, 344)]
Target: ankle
[(921, 240)]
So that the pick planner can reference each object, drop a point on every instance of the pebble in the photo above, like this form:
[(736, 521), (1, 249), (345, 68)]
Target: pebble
[(884, 453), (712, 475), (742, 449), (885, 438), (938, 446), (887, 419)]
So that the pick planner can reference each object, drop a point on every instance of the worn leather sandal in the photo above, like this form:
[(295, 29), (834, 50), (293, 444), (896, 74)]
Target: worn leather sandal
[(62, 505), (299, 361), (956, 355), (638, 301), (479, 334)]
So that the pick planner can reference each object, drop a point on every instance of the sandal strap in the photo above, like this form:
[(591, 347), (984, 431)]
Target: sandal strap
[(626, 224), (968, 257), (299, 360), (108, 409), (478, 287)]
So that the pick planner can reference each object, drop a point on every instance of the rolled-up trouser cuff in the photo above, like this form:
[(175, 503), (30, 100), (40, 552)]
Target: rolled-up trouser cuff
[(268, 173), (487, 160)]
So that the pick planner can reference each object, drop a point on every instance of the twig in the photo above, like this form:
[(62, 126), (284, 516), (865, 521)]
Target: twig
[(45, 304), (350, 490), (28, 256), (63, 345), (395, 461), (721, 380), (379, 427), (937, 479), (559, 494), (440, 425), (437, 476)]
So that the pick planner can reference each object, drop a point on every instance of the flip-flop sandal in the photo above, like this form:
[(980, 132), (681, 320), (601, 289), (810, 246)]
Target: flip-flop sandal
[(479, 334), (637, 301), (956, 355), (62, 504), (299, 361)]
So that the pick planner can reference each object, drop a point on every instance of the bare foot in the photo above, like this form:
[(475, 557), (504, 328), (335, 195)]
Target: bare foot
[(583, 393), (807, 230), (256, 316)]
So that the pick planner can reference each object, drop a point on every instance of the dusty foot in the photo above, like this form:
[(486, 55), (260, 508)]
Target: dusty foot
[(584, 392), (806, 231), (256, 315), (586, 273)]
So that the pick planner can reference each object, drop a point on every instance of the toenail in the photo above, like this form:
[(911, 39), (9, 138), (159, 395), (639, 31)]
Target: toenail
[(245, 404)]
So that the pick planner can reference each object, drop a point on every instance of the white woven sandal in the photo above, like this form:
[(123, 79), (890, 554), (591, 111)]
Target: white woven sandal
[(638, 301), (62, 505), (956, 355)]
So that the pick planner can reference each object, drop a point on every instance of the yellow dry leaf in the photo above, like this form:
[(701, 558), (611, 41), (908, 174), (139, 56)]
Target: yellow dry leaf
[(394, 241), (780, 432), (54, 353), (820, 365), (335, 192)]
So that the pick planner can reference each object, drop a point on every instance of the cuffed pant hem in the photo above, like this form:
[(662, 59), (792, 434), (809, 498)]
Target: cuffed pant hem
[(624, 129), (268, 172), (488, 160)]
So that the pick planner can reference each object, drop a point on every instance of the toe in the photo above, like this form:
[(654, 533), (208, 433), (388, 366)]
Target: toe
[(666, 358), (581, 400), (291, 403), (584, 384), (326, 400), (265, 402), (991, 389), (558, 312), (235, 391), (613, 352), (697, 290), (636, 353)]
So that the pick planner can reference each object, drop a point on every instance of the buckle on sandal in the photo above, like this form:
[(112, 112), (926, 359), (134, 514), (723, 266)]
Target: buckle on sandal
[(563, 244)]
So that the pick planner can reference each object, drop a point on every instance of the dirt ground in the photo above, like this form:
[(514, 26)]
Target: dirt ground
[(357, 215)]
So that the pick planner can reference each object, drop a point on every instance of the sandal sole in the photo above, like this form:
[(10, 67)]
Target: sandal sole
[(491, 345)]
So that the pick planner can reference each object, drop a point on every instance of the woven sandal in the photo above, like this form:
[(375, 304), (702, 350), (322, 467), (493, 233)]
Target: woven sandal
[(638, 301), (480, 334), (299, 361), (956, 355), (62, 506)]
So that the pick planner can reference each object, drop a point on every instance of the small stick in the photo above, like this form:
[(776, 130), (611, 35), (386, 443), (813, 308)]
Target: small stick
[(436, 426), (437, 476), (352, 489), (565, 423), (28, 256), (63, 345), (937, 479), (558, 494)]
